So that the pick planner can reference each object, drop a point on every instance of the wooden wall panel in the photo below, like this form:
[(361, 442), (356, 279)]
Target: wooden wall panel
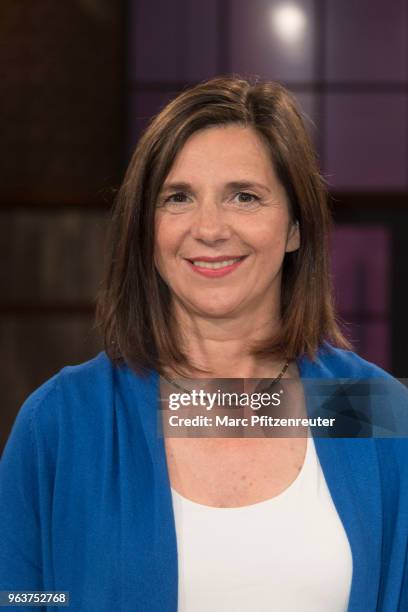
[(61, 101), (54, 256), (62, 122)]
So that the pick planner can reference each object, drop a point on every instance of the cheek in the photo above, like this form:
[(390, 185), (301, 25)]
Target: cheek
[(271, 241)]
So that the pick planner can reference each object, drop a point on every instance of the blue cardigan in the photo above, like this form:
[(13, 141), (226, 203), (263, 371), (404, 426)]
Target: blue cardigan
[(85, 498)]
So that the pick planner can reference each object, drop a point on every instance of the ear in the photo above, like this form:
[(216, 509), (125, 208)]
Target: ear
[(293, 240)]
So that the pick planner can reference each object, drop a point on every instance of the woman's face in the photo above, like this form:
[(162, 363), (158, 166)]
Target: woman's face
[(222, 200)]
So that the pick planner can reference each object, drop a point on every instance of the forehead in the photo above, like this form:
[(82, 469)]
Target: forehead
[(223, 153)]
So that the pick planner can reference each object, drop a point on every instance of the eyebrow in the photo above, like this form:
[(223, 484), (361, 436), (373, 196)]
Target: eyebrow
[(238, 185), (176, 187)]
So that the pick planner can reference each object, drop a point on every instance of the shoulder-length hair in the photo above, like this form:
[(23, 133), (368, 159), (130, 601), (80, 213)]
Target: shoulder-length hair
[(134, 303)]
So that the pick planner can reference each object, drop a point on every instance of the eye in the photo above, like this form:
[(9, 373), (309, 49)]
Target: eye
[(245, 197), (176, 198)]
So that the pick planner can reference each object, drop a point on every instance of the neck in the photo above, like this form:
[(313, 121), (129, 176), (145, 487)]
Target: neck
[(221, 345)]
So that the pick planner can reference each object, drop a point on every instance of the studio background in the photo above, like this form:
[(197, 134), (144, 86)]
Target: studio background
[(80, 79)]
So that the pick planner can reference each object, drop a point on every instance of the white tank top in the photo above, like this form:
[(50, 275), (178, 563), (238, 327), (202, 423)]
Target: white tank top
[(286, 554)]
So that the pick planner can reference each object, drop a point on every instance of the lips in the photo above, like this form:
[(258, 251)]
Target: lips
[(215, 267)]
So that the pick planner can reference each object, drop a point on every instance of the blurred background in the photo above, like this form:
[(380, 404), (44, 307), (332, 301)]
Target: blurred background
[(80, 80)]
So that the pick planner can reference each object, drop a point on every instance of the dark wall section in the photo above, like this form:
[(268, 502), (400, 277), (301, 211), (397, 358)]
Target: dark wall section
[(62, 126)]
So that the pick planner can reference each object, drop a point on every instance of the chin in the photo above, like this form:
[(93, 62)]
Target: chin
[(215, 310)]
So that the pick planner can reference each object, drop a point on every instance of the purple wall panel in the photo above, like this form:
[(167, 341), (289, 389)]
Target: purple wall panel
[(264, 42), (361, 268), (365, 141), (366, 40), (371, 340), (173, 41), (141, 107)]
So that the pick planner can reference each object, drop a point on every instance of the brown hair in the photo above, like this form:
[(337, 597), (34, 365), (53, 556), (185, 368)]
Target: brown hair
[(133, 307)]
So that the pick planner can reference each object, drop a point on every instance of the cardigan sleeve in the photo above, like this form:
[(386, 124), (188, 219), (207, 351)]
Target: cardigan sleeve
[(22, 496)]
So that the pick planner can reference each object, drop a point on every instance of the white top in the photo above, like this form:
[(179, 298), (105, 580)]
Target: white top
[(286, 554)]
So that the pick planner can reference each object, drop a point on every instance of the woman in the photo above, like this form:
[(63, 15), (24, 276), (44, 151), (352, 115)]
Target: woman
[(218, 270)]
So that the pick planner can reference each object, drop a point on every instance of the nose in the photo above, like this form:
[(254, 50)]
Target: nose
[(210, 222)]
